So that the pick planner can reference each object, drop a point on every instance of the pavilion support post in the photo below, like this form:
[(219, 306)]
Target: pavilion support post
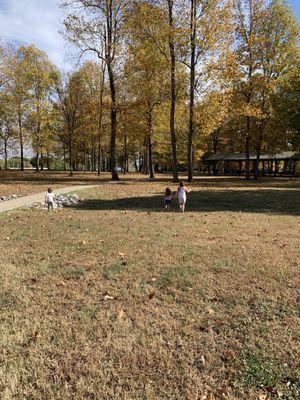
[(215, 168), (256, 167), (263, 168), (271, 167), (285, 167), (240, 167), (276, 167), (294, 167)]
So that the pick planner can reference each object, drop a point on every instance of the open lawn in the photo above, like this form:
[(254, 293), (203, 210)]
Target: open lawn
[(30, 182), (117, 299)]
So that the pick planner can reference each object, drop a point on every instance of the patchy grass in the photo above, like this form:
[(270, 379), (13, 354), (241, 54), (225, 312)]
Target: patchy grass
[(30, 182), (116, 299)]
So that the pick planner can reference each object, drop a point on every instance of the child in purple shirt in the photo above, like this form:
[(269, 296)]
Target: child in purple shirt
[(168, 199)]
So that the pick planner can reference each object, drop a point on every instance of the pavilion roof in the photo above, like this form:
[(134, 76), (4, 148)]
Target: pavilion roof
[(285, 155)]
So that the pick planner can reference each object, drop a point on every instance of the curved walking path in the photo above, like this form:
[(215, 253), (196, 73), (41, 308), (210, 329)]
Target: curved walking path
[(38, 197)]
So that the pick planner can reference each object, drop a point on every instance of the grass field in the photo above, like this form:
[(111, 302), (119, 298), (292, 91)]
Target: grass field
[(30, 182), (116, 299)]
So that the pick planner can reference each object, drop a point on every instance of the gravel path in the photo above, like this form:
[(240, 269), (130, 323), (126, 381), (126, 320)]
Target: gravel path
[(38, 197)]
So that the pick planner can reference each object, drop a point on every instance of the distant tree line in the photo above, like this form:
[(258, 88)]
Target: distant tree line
[(172, 81)]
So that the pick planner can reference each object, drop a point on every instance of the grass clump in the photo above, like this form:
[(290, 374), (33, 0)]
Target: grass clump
[(178, 277), (263, 372), (7, 300), (112, 271), (222, 265), (74, 273)]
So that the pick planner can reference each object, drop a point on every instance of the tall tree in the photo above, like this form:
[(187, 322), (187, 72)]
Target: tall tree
[(41, 75), (279, 58), (171, 39), (18, 85), (7, 126), (147, 78), (249, 16), (209, 24), (158, 20), (96, 26), (70, 103)]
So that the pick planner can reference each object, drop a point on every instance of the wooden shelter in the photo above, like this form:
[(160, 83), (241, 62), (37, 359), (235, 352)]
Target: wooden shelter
[(285, 163)]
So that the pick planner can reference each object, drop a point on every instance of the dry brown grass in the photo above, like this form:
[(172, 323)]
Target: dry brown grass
[(118, 300), (29, 182)]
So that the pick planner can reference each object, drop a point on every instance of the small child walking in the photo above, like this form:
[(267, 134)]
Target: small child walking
[(49, 199), (182, 191), (168, 199)]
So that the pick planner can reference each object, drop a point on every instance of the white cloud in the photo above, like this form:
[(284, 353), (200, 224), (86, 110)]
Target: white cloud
[(38, 22)]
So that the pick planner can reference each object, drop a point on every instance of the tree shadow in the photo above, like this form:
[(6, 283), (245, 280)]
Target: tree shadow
[(281, 202), (62, 177)]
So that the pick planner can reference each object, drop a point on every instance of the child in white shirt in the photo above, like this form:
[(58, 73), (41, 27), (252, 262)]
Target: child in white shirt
[(182, 191), (49, 199)]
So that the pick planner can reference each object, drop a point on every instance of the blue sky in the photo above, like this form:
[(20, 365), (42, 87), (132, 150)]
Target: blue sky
[(39, 22), (296, 6), (35, 22)]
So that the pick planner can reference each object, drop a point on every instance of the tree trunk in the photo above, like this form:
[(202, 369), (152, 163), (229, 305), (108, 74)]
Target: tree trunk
[(146, 158), (100, 125), (216, 140), (150, 158), (70, 153), (256, 165), (101, 91), (37, 161), (192, 91), (258, 149), (248, 149), (42, 162), (113, 117), (136, 166), (21, 143), (64, 150), (48, 162), (173, 92), (149, 143), (125, 153), (5, 155)]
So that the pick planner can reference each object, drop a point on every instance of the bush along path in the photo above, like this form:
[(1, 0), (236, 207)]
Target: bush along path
[(39, 198)]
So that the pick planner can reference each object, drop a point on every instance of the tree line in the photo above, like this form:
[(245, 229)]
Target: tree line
[(171, 82)]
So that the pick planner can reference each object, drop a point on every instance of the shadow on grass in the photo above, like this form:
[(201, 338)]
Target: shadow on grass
[(284, 202), (58, 177)]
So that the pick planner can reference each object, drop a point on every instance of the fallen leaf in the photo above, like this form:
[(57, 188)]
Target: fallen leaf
[(262, 397), (210, 396), (107, 297), (36, 334), (121, 315), (151, 295), (202, 360), (228, 355), (269, 389)]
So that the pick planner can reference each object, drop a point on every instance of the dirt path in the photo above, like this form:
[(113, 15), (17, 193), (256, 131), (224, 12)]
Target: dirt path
[(35, 198)]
